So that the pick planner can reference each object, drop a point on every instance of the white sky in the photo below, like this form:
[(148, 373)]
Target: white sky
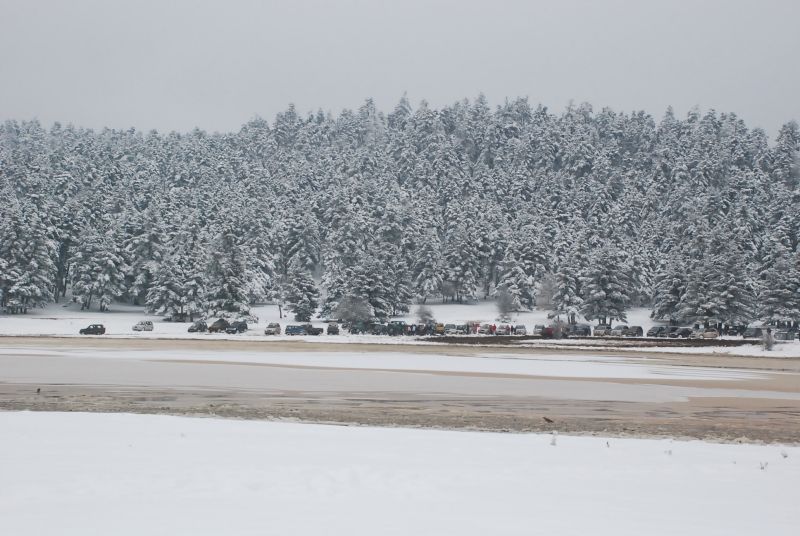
[(182, 63)]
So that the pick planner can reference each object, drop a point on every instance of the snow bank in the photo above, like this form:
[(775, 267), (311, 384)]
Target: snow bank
[(96, 474)]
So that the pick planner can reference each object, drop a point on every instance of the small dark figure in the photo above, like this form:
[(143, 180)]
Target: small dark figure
[(548, 420), (38, 390), (769, 340)]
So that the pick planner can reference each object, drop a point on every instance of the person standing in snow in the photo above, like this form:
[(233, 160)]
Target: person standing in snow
[(769, 340)]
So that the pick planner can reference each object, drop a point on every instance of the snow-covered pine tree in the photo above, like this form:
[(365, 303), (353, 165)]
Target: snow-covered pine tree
[(427, 268), (97, 269), (178, 289), (605, 286), (301, 294), (567, 299), (226, 271), (27, 271), (779, 288)]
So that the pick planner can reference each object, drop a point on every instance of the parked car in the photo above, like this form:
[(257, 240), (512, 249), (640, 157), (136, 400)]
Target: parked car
[(697, 333), (634, 331), (710, 333), (733, 331), (538, 329), (681, 333), (295, 330), (311, 330), (602, 330), (199, 326), (379, 329), (502, 329), (422, 329), (450, 329), (671, 330), (273, 328), (580, 330), (93, 329), (618, 331), (462, 329), (219, 326), (485, 329), (239, 326), (143, 325), (548, 332), (332, 329), (753, 333), (657, 331), (784, 335), (520, 329), (397, 327), (438, 329)]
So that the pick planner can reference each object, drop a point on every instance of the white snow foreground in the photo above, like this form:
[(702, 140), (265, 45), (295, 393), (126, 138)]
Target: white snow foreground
[(101, 474)]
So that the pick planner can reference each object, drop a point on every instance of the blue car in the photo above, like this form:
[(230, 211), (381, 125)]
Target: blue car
[(295, 330)]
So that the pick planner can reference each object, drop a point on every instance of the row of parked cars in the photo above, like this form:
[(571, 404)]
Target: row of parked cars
[(399, 327), (686, 332)]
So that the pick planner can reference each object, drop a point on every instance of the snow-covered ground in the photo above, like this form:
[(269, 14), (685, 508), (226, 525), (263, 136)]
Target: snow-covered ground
[(67, 319), (100, 474)]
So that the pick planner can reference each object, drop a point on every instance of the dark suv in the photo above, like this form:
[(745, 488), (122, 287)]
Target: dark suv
[(634, 331), (681, 333), (94, 329), (580, 330), (753, 333), (658, 331), (240, 326), (219, 326), (311, 330)]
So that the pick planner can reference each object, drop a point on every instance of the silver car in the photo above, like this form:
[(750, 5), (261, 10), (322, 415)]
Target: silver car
[(273, 328), (143, 325)]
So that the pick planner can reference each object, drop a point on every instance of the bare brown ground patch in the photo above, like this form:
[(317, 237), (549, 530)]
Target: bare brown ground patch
[(711, 418)]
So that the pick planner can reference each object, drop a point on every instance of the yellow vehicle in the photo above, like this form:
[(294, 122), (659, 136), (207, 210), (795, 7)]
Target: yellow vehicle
[(438, 329)]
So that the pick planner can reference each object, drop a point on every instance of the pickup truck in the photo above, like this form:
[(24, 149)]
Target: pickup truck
[(311, 330)]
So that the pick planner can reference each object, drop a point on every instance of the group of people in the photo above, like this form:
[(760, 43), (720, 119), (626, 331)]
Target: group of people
[(508, 329)]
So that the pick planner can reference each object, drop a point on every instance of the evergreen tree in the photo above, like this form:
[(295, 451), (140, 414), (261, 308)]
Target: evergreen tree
[(27, 271), (606, 286), (97, 270), (226, 283), (301, 294)]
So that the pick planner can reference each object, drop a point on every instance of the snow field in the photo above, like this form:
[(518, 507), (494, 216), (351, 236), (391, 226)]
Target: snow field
[(93, 474)]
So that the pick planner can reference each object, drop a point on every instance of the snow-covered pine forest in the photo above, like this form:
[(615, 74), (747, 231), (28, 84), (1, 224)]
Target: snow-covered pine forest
[(592, 211)]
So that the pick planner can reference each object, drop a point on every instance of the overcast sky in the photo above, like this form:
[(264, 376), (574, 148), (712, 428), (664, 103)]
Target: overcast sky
[(174, 65)]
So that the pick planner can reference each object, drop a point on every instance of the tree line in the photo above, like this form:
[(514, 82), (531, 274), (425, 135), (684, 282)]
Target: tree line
[(592, 211)]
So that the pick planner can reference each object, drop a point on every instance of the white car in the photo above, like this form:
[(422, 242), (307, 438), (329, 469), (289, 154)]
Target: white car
[(503, 330), (144, 325), (519, 329)]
